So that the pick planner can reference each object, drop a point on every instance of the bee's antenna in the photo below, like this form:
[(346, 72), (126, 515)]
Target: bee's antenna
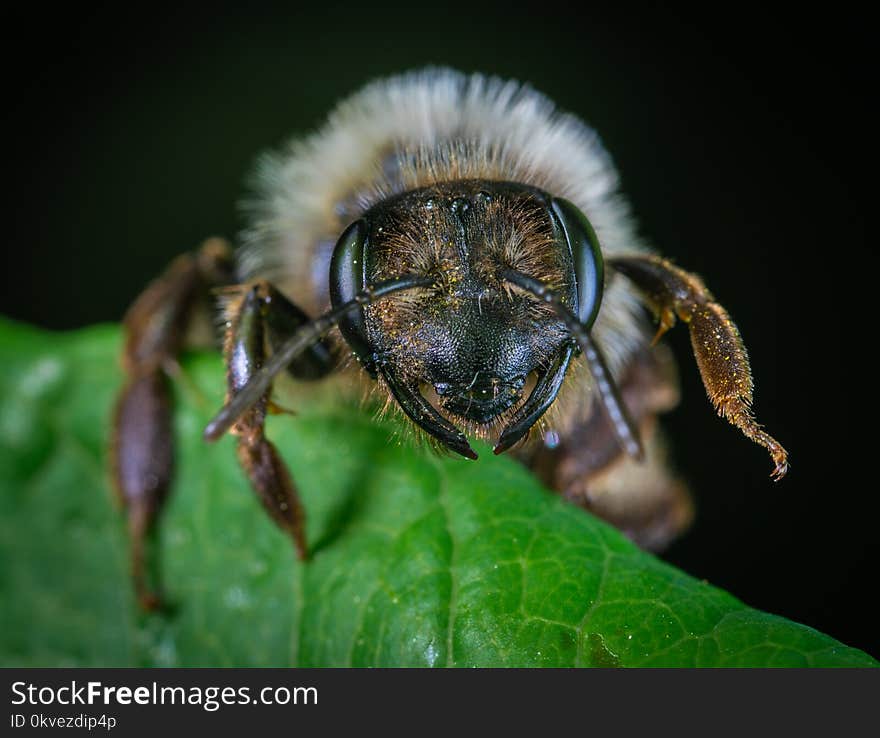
[(296, 344), (625, 429)]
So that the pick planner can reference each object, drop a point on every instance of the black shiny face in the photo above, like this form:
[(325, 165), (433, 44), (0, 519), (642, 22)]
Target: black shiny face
[(464, 349), (480, 355)]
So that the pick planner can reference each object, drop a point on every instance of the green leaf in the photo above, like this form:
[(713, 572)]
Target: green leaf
[(418, 560)]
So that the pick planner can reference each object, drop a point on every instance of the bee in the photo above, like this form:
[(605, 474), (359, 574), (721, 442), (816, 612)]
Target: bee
[(463, 243)]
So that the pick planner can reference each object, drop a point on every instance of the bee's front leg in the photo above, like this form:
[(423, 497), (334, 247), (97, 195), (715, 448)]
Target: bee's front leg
[(721, 356), (156, 328), (259, 317)]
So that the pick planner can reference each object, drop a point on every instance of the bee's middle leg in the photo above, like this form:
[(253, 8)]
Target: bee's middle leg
[(588, 467), (258, 318)]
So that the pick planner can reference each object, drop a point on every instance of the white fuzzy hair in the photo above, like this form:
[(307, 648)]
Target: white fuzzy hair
[(433, 125)]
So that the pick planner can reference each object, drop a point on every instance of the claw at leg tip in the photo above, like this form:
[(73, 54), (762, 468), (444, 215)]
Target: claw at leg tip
[(779, 472), (150, 602), (299, 543)]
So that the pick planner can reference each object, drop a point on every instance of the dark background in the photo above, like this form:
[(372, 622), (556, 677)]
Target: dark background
[(741, 138)]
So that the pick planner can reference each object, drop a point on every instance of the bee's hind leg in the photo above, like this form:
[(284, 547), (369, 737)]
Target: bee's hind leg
[(156, 327), (260, 317), (721, 356)]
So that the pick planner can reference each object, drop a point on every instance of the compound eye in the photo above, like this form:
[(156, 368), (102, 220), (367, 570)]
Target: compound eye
[(586, 254), (347, 279), (441, 388)]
